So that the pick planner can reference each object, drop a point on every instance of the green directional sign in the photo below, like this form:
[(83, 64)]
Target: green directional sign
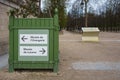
[(33, 45)]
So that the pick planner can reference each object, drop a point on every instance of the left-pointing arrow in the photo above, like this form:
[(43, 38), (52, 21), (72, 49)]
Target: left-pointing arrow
[(23, 38)]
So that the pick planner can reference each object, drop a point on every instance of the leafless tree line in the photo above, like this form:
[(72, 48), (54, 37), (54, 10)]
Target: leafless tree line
[(107, 18)]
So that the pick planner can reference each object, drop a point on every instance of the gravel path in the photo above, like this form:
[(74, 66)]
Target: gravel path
[(79, 60), (3, 61)]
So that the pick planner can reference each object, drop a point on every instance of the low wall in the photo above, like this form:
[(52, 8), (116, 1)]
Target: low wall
[(4, 22)]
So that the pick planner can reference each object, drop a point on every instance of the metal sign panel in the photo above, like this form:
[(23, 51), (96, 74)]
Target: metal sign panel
[(33, 45), (33, 51), (33, 38)]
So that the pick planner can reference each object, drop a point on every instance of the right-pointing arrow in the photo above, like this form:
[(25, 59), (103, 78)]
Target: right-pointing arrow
[(43, 50)]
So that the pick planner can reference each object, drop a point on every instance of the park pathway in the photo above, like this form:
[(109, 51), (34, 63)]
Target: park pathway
[(78, 60), (89, 60), (3, 61)]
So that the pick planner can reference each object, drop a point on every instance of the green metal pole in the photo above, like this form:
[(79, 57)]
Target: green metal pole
[(56, 40), (11, 42)]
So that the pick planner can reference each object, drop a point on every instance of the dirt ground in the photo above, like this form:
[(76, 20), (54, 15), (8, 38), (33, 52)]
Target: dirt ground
[(74, 51)]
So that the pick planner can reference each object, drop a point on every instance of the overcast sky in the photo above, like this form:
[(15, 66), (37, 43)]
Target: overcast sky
[(95, 4)]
